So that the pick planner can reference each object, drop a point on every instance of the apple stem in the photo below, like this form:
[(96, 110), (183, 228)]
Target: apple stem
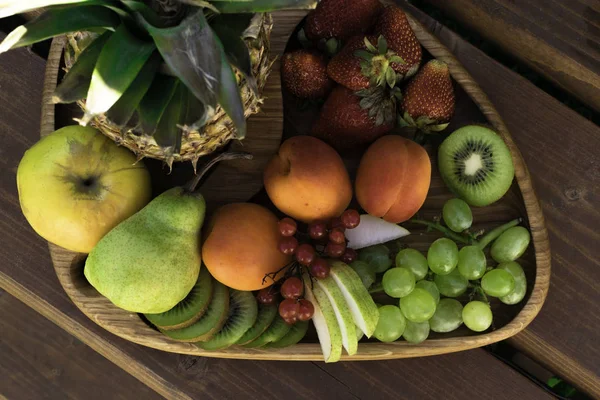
[(221, 157)]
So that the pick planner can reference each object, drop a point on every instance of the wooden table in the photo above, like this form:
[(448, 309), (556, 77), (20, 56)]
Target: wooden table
[(560, 148)]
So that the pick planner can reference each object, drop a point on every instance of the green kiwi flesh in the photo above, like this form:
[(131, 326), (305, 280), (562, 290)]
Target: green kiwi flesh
[(190, 309), (210, 323), (243, 311), (295, 335), (266, 315), (275, 332), (476, 165)]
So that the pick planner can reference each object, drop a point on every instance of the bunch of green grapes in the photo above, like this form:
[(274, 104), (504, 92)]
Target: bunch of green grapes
[(432, 288)]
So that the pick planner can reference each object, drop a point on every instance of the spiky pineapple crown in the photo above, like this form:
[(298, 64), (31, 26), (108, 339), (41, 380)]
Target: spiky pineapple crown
[(169, 62)]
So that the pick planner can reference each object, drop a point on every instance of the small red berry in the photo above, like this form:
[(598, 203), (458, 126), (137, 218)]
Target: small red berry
[(306, 310), (336, 222), (349, 256), (292, 288), (317, 230), (288, 308), (287, 227), (288, 245), (336, 235), (266, 296), (305, 254), (320, 268), (350, 219), (335, 250)]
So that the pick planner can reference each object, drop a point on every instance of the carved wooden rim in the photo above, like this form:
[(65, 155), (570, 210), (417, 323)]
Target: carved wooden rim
[(130, 327)]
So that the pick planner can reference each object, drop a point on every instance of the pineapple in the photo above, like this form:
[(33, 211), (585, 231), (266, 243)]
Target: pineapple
[(169, 79)]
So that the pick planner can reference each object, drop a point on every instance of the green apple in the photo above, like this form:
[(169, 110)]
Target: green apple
[(342, 313), (75, 185), (358, 300), (325, 322)]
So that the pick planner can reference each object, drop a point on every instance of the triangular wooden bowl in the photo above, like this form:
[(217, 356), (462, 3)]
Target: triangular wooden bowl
[(240, 181)]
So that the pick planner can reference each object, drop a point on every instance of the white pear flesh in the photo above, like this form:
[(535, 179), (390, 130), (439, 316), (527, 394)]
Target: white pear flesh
[(325, 323), (360, 303), (372, 231), (342, 313)]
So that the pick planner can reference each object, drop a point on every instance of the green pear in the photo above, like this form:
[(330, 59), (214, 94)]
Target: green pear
[(151, 261)]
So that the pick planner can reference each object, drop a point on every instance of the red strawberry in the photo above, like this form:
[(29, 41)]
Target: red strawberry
[(341, 19), (363, 62), (429, 101), (349, 120), (304, 73), (401, 39)]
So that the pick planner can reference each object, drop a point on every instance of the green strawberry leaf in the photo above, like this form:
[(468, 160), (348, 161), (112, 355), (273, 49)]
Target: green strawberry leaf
[(382, 46), (397, 59), (370, 46), (365, 55), (390, 76)]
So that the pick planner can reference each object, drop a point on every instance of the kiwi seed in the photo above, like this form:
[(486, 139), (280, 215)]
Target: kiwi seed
[(266, 315)]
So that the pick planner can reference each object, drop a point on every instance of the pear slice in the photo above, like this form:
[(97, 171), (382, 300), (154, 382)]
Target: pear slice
[(329, 288), (325, 322), (359, 301), (372, 231)]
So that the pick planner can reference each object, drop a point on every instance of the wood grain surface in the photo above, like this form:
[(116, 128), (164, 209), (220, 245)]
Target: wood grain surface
[(263, 140), (42, 361), (558, 38), (558, 146)]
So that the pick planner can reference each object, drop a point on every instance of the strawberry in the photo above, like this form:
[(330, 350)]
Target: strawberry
[(304, 74), (341, 19), (361, 65), (393, 25), (429, 101), (350, 120)]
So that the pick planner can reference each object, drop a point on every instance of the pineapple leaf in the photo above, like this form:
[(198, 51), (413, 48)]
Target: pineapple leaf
[(155, 102), (76, 82), (12, 7), (256, 6), (229, 97), (200, 3), (141, 8), (120, 61), (124, 108), (197, 114), (168, 133), (191, 51), (60, 21), (236, 50)]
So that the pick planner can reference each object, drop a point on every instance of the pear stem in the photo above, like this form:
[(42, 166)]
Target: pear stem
[(221, 157)]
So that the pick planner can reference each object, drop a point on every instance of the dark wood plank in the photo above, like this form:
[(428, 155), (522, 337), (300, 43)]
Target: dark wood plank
[(27, 273), (559, 39), (40, 360), (560, 148)]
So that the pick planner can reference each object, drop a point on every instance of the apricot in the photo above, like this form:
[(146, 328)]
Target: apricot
[(393, 178), (307, 180), (241, 246)]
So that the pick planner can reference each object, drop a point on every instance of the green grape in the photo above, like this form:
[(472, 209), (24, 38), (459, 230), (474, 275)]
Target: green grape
[(442, 256), (498, 283), (518, 274), (471, 262), (378, 257), (451, 285), (391, 324), (511, 244), (477, 316), (447, 317), (413, 260), (416, 332), (431, 288), (457, 215), (364, 271), (398, 282), (418, 306)]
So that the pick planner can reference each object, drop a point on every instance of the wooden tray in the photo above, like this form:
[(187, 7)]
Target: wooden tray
[(241, 180)]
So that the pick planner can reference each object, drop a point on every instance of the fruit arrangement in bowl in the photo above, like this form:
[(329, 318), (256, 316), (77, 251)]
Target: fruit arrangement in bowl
[(389, 227)]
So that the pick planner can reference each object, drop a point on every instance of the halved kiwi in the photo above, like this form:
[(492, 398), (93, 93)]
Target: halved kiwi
[(476, 165), (266, 315), (243, 310), (190, 309), (210, 323), (295, 335), (275, 332)]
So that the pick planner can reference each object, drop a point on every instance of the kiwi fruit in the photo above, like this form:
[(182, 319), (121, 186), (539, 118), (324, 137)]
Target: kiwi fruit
[(476, 165), (266, 315), (275, 332), (210, 323), (296, 333), (243, 311), (190, 309)]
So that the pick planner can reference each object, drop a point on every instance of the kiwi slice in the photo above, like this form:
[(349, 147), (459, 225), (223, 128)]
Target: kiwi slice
[(210, 323), (266, 315), (243, 311), (275, 332), (295, 335), (190, 309), (476, 165)]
